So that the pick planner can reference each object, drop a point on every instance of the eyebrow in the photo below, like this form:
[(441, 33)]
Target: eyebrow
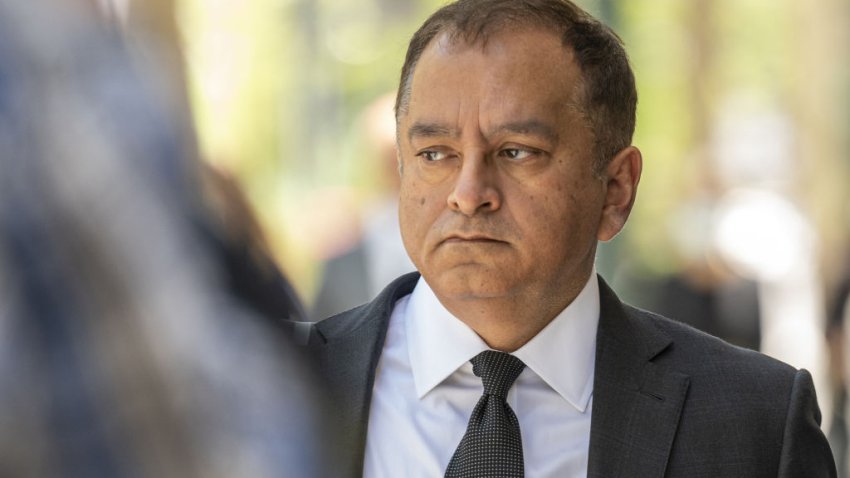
[(533, 127), (431, 130)]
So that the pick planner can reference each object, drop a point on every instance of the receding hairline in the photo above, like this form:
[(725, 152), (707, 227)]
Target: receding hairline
[(455, 36), (607, 98), (479, 38), (578, 101)]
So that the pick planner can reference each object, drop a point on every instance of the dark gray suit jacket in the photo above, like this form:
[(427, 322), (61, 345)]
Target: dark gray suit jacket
[(668, 401)]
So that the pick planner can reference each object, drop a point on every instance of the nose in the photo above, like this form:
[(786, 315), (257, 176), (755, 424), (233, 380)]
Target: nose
[(475, 190)]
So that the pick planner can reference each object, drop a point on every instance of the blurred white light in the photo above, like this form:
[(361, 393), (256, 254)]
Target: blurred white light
[(761, 234), (753, 143)]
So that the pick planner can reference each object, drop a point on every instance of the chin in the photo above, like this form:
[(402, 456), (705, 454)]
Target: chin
[(468, 282)]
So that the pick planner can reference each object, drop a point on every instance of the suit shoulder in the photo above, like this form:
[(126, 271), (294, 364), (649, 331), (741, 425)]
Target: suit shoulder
[(739, 403), (346, 321), (379, 309), (693, 351)]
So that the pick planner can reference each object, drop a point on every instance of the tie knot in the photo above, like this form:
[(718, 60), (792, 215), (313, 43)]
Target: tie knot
[(497, 370)]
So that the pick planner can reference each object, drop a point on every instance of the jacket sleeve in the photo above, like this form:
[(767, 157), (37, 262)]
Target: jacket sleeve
[(805, 451)]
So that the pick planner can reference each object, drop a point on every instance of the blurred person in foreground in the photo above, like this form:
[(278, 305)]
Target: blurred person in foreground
[(125, 351), (515, 120)]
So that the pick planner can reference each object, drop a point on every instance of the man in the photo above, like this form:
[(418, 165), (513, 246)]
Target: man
[(508, 357)]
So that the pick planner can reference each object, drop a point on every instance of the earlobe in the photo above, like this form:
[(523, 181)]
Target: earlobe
[(621, 175)]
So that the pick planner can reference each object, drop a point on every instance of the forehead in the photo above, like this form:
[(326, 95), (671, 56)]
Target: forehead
[(515, 72)]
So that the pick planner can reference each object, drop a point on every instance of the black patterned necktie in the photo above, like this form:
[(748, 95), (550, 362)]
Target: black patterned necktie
[(492, 445)]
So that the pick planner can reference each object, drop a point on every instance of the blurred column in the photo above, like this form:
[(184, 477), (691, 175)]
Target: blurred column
[(820, 104), (767, 146)]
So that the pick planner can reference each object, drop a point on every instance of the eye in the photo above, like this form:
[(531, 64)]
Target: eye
[(431, 155), (517, 154)]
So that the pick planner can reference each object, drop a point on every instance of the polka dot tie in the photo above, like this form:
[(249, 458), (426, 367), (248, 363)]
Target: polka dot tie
[(492, 445)]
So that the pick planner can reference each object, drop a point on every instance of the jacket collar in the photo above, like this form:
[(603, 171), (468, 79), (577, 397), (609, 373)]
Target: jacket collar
[(347, 347), (636, 404)]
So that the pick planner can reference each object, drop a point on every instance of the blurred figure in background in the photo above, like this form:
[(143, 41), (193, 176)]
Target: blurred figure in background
[(126, 350), (359, 273), (705, 293), (251, 273)]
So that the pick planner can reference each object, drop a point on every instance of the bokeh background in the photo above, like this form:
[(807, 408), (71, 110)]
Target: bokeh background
[(742, 225), (743, 216), (733, 93)]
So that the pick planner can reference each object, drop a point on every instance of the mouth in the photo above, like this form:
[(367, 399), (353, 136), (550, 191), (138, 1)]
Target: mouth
[(472, 239)]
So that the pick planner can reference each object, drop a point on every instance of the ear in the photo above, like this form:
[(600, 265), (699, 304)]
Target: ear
[(621, 177)]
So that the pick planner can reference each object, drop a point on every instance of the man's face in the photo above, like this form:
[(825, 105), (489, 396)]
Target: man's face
[(498, 195)]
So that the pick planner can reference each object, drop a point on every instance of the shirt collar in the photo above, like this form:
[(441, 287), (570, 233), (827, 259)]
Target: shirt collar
[(439, 343), (562, 354)]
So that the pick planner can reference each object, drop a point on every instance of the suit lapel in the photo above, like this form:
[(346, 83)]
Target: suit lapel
[(636, 404), (348, 347)]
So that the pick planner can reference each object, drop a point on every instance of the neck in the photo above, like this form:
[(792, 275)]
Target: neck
[(508, 323)]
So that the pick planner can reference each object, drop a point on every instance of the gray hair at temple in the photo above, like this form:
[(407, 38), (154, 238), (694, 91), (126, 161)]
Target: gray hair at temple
[(608, 96)]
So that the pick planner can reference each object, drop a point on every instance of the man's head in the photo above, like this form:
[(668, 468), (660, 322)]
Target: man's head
[(500, 130), (608, 97)]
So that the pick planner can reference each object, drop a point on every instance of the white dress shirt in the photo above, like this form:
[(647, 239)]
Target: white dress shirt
[(425, 390)]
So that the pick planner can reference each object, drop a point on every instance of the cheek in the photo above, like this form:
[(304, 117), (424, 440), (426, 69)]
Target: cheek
[(416, 217), (411, 195), (560, 213), (419, 197), (415, 205)]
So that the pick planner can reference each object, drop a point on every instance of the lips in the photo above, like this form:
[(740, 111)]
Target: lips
[(471, 239)]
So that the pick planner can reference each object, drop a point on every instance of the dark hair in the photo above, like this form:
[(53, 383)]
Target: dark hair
[(608, 94)]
